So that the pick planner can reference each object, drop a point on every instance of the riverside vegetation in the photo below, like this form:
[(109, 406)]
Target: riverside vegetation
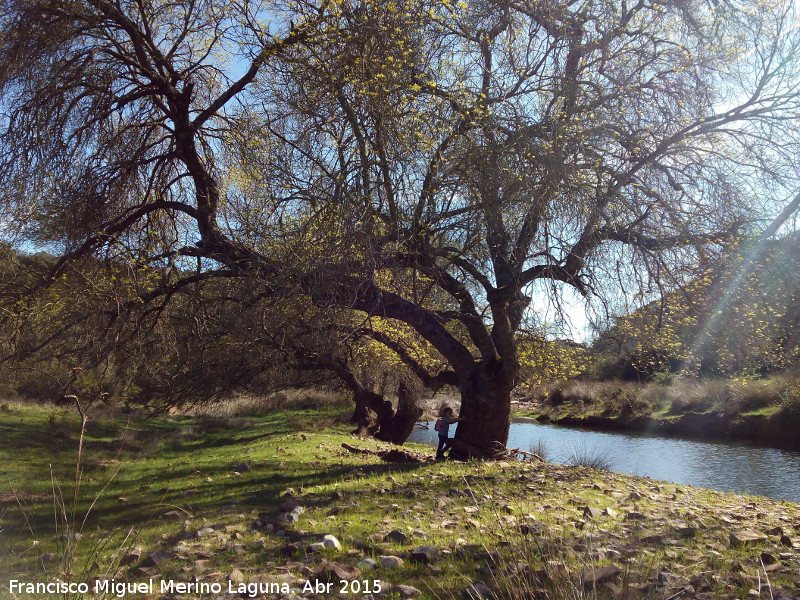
[(247, 495), (765, 411)]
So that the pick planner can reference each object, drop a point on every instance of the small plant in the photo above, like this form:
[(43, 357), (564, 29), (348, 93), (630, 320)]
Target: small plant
[(594, 458), (541, 449)]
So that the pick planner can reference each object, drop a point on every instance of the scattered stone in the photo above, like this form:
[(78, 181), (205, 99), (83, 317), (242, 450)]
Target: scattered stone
[(156, 558), (424, 554), (243, 467), (532, 528), (600, 575), (686, 532), (650, 537), (236, 576), (316, 547), (786, 541), (290, 549), (635, 516), (289, 505), (330, 541), (391, 562), (406, 591), (203, 532), (201, 565), (259, 543), (330, 571), (478, 591), (396, 536), (133, 556), (768, 559), (746, 537), (368, 563), (591, 512)]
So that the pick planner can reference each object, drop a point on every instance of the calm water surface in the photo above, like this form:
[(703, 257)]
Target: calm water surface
[(718, 466)]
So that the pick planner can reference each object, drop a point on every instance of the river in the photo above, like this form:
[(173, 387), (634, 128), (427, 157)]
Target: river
[(718, 466)]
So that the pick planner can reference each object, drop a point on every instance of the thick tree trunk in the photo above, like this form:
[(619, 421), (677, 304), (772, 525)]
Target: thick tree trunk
[(486, 410), (399, 427), (363, 417), (375, 416)]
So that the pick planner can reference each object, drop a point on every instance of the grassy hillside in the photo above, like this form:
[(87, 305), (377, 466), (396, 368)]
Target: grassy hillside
[(244, 498)]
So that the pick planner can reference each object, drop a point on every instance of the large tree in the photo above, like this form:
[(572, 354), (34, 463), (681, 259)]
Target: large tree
[(424, 162)]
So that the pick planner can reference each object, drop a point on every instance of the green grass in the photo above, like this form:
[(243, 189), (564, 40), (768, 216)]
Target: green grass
[(138, 469)]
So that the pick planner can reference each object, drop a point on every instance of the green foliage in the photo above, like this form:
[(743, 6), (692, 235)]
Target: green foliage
[(739, 319)]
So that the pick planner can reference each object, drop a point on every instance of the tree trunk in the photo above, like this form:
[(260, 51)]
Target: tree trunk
[(375, 416), (397, 429), (363, 417), (486, 410)]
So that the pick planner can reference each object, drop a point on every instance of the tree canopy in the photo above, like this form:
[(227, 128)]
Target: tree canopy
[(428, 163)]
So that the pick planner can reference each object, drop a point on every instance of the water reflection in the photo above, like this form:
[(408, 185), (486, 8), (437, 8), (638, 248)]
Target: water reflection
[(724, 467)]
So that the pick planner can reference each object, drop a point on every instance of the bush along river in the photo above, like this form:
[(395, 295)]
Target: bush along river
[(725, 467)]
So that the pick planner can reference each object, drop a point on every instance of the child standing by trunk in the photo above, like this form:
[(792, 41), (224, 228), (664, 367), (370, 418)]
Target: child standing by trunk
[(443, 427)]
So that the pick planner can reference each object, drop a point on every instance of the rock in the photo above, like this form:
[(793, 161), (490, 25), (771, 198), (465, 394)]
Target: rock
[(368, 563), (635, 516), (133, 556), (330, 541), (424, 554), (686, 532), (201, 566), (532, 528), (768, 559), (289, 505), (666, 578), (288, 517), (591, 512), (651, 537), (156, 558), (391, 562), (316, 547), (746, 537), (333, 572), (396, 536), (478, 591), (243, 467), (777, 530), (610, 512), (48, 557), (203, 532), (786, 541), (406, 591), (600, 575), (236, 576), (290, 549), (259, 543)]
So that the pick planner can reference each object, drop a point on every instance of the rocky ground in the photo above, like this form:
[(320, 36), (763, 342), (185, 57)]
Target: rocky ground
[(287, 511)]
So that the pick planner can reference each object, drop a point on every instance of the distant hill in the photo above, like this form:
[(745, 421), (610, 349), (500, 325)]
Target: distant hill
[(740, 318)]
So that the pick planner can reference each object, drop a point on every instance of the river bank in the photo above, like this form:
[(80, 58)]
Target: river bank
[(777, 430), (765, 413), (275, 499)]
